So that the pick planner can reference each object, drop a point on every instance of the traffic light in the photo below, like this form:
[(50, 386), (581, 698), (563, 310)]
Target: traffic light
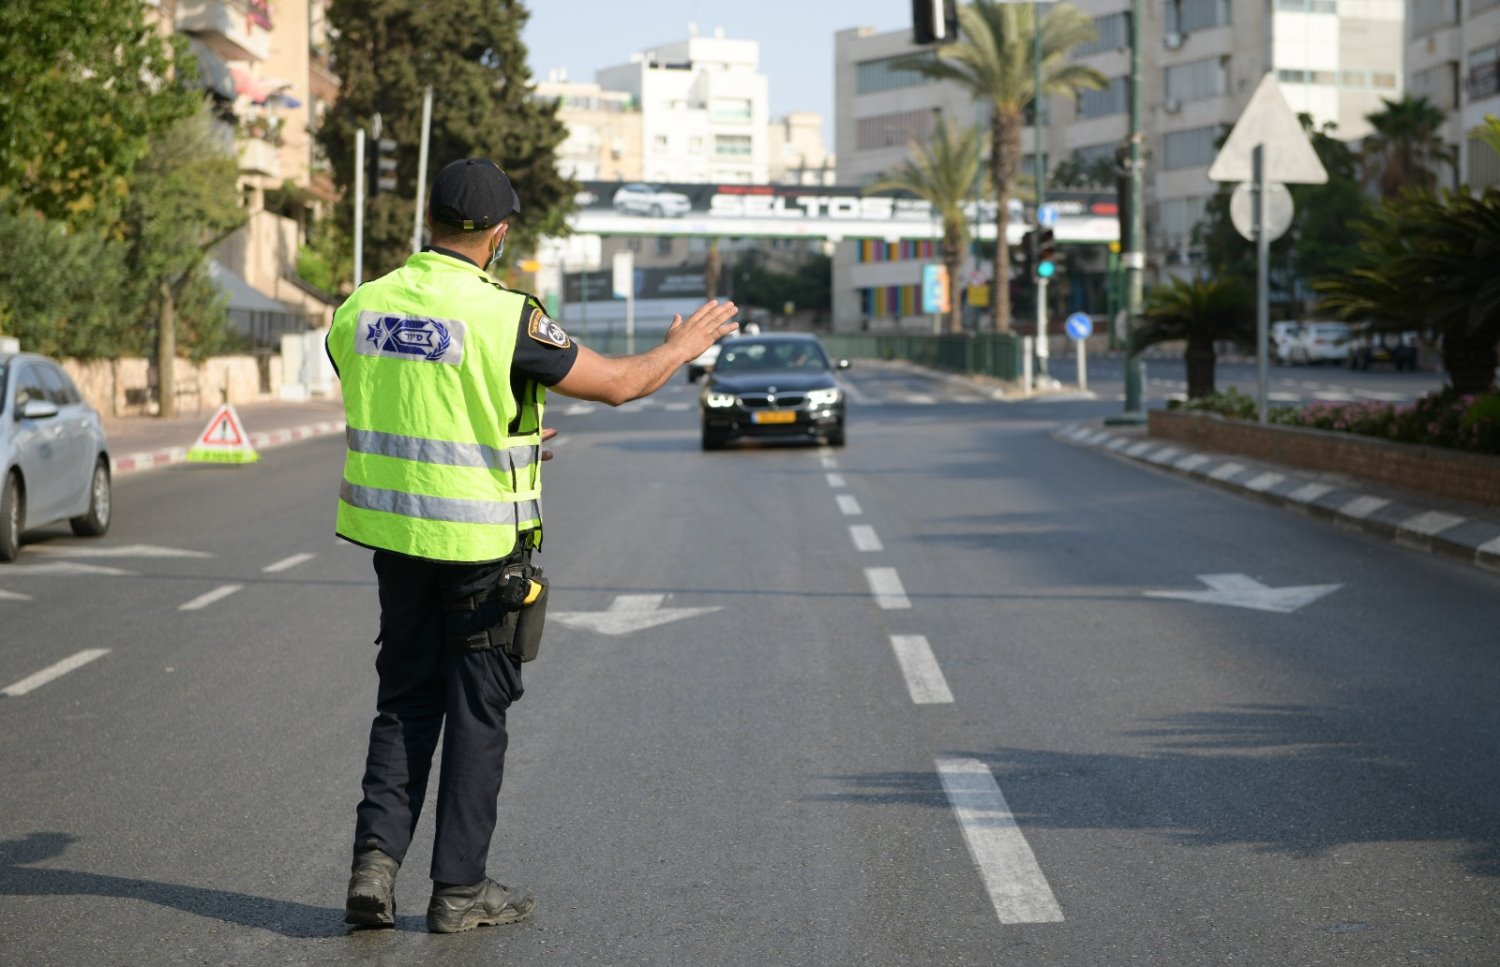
[(1046, 253), (934, 21), (385, 166), (1027, 254)]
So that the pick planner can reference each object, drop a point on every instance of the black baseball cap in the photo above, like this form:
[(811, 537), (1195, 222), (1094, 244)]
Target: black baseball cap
[(471, 194)]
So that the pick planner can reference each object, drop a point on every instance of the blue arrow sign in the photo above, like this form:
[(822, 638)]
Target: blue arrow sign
[(1046, 216), (1079, 326)]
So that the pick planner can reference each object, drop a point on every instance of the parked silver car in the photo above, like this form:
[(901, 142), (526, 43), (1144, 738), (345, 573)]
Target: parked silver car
[(54, 462)]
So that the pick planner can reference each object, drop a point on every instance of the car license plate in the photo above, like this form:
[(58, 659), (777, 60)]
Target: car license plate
[(775, 416)]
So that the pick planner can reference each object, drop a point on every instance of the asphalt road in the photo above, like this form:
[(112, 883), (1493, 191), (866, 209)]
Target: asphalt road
[(908, 702)]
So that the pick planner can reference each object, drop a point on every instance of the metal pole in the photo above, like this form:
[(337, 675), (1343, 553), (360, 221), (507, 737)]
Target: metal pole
[(630, 322), (1039, 157), (1262, 280), (416, 227), (359, 207), (1083, 366), (1134, 255)]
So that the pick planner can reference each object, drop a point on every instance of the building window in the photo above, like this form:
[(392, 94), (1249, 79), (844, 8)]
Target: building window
[(1439, 84), (1295, 76), (1430, 15), (1091, 154), (732, 145), (1308, 6), (893, 130), (730, 109), (1179, 216), (1114, 99), (1186, 16), (1484, 72), (1114, 34), (1189, 149), (874, 76), (695, 144), (664, 245), (659, 144), (1201, 78)]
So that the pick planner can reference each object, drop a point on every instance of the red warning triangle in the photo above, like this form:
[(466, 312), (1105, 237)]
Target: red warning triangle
[(223, 431), (224, 440)]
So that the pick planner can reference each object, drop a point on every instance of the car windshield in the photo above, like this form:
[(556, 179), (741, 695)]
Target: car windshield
[(755, 357)]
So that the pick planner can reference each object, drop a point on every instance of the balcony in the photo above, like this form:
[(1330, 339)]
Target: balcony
[(259, 157), (227, 27)]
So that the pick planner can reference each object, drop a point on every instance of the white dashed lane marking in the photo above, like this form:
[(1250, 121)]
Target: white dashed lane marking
[(885, 585), (865, 538), (849, 506), (835, 479), (33, 682), (288, 563), (1017, 888), (924, 679), (204, 600)]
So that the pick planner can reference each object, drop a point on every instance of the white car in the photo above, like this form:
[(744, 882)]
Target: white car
[(1320, 342), (643, 199)]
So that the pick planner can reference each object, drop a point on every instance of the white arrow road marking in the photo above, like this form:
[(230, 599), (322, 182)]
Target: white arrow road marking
[(33, 682), (204, 600), (124, 550), (287, 563), (924, 677), (1017, 888), (1243, 591), (64, 568), (627, 613), (13, 596)]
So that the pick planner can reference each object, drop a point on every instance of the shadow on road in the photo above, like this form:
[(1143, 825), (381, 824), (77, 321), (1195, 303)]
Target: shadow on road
[(1294, 780), (284, 917)]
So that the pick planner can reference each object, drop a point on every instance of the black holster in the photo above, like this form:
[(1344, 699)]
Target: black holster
[(507, 613)]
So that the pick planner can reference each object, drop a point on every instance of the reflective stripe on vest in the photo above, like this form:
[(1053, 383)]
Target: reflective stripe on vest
[(444, 452), (451, 509)]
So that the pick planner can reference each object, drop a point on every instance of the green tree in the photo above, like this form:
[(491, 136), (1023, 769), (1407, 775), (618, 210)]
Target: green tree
[(1406, 148), (1074, 172), (994, 60), (470, 52), (943, 170), (1201, 312), (182, 202), (66, 293), (806, 286), (82, 94), (1427, 262), (1488, 132)]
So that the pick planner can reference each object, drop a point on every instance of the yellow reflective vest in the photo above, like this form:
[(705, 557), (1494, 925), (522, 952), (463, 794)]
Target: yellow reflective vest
[(443, 460)]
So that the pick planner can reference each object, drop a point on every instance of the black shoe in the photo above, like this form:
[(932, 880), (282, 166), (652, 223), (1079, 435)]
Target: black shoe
[(372, 890), (485, 904)]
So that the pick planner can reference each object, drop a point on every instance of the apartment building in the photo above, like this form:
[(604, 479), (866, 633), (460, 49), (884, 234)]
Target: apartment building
[(1453, 59), (1201, 61)]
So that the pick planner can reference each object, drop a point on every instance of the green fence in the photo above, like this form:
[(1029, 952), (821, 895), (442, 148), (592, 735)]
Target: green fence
[(985, 354)]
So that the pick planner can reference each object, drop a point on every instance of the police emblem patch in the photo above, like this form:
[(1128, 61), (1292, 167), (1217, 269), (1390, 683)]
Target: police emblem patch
[(545, 331), (408, 337)]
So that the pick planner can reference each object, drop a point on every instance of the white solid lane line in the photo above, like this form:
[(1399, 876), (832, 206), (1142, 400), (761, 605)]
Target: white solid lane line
[(204, 600), (924, 679), (33, 682), (885, 584), (835, 479), (1017, 888), (849, 506), (865, 538), (287, 563)]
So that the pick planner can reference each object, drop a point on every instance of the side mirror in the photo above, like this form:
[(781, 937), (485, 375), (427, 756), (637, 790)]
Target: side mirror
[(844, 364), (38, 410)]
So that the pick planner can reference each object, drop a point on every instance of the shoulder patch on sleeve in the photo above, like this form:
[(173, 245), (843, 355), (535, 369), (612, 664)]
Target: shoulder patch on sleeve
[(545, 331)]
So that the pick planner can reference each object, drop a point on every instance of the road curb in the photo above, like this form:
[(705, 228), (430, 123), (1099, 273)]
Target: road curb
[(167, 456), (1415, 526)]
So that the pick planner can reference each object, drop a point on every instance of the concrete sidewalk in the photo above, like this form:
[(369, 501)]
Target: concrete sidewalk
[(146, 442)]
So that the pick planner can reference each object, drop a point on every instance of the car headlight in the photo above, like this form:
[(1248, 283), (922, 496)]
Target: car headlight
[(718, 400), (824, 397)]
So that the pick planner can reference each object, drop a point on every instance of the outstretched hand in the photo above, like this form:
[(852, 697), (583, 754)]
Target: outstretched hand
[(548, 433), (703, 328)]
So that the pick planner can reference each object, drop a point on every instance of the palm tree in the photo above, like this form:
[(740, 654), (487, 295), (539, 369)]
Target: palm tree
[(1199, 311), (1487, 132), (1428, 262), (943, 171), (1405, 148), (994, 60)]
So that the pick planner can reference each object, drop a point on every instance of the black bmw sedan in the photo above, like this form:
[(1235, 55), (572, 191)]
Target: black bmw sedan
[(779, 385)]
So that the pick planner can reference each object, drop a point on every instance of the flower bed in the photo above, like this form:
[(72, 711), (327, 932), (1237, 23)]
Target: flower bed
[(1472, 477)]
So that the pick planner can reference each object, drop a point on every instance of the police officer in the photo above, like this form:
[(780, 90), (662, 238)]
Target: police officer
[(444, 375)]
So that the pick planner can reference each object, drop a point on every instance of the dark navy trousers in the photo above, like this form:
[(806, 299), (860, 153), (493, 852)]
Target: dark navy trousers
[(421, 687)]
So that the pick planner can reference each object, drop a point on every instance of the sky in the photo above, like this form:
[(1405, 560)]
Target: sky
[(796, 38)]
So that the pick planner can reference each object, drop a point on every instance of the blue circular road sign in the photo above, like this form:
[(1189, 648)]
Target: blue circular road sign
[(1046, 216), (1079, 326)]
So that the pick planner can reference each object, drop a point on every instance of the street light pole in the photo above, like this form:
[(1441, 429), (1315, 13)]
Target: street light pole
[(1134, 255), (1039, 158)]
